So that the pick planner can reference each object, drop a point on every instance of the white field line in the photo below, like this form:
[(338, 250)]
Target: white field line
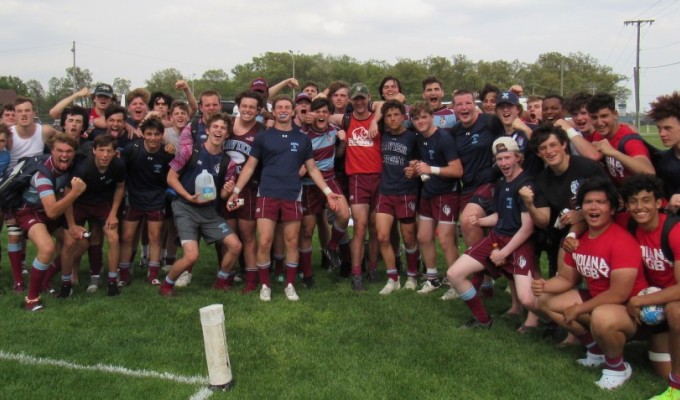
[(189, 380)]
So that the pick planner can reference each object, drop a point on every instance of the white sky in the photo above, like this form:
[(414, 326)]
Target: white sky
[(133, 39)]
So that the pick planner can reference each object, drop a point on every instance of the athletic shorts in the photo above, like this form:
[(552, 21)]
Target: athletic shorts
[(363, 189), (278, 210), (135, 215), (27, 217), (443, 208), (313, 199), (482, 196), (192, 221), (399, 206), (521, 262), (247, 210), (83, 212)]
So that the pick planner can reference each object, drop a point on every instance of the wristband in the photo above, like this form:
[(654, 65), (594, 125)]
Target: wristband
[(327, 191), (435, 170), (571, 235), (236, 190), (571, 132)]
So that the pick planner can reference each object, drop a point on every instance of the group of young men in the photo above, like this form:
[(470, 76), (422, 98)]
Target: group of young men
[(516, 183)]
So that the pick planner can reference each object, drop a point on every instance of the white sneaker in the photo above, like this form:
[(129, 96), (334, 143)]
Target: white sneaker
[(411, 283), (591, 360), (612, 379), (95, 280), (265, 293), (183, 280), (290, 293), (450, 294), (390, 287), (429, 286)]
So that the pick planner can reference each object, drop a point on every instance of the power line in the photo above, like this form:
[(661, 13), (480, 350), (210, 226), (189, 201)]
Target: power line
[(662, 66), (649, 8), (661, 47), (32, 48), (657, 12)]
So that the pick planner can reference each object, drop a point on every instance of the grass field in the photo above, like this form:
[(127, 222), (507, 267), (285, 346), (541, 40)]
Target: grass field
[(332, 344)]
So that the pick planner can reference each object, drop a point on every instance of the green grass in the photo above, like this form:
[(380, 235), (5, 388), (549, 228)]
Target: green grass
[(332, 344)]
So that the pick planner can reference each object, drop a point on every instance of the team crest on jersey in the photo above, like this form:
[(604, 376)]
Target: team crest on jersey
[(574, 186), (360, 137), (446, 210), (411, 205), (157, 168), (216, 168), (431, 154), (294, 146), (522, 262)]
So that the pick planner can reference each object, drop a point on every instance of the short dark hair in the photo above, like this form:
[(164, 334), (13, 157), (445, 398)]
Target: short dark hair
[(76, 110), (488, 88), (22, 99), (420, 107), (104, 141), (543, 132), (430, 80), (392, 104), (7, 107), (577, 100), (320, 102), (639, 182), (152, 122), (310, 84), (223, 117), (598, 185), (463, 92), (207, 93), (159, 95), (556, 97), (601, 101), (114, 109), (181, 104), (665, 106), (61, 137), (4, 129), (335, 86), (282, 97), (250, 94)]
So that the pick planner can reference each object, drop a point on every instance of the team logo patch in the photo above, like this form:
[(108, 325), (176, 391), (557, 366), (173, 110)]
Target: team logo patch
[(446, 210), (411, 205), (257, 210), (294, 146), (522, 262), (574, 186)]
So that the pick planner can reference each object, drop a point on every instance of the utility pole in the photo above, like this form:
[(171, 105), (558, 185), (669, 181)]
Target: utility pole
[(75, 80), (562, 77), (292, 54), (636, 71)]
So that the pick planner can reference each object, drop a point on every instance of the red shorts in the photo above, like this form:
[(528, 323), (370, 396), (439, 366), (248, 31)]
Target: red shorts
[(521, 262), (363, 189), (86, 211), (278, 210), (443, 208), (482, 196), (398, 206), (27, 217), (313, 199), (134, 215)]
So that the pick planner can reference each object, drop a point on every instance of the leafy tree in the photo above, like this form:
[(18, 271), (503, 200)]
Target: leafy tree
[(164, 81), (121, 86), (13, 83)]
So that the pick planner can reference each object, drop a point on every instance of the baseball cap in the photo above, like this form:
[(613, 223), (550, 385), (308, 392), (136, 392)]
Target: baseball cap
[(505, 143), (103, 89), (259, 85), (302, 97), (507, 97), (358, 90)]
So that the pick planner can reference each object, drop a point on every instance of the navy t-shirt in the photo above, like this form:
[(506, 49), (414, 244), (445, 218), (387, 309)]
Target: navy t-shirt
[(397, 151), (474, 146), (437, 151), (668, 169), (508, 203), (281, 154), (146, 176), (100, 186)]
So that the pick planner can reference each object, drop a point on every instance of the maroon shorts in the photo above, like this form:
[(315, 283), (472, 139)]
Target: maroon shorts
[(443, 208), (87, 211), (313, 199), (521, 262), (482, 195), (278, 210), (398, 206), (363, 189), (27, 217), (134, 215)]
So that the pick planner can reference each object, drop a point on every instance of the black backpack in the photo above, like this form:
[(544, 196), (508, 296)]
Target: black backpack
[(655, 155), (14, 181), (671, 220)]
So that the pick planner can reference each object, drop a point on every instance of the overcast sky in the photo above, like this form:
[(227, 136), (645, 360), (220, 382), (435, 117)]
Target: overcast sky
[(133, 39)]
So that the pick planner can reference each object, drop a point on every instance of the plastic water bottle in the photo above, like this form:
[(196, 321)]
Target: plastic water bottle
[(205, 186)]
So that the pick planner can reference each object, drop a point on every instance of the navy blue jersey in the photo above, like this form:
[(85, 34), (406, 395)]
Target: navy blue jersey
[(281, 154), (100, 186), (397, 151), (508, 203), (668, 169), (146, 176), (474, 146), (437, 151)]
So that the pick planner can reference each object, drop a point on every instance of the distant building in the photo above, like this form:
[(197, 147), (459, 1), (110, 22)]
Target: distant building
[(7, 96)]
